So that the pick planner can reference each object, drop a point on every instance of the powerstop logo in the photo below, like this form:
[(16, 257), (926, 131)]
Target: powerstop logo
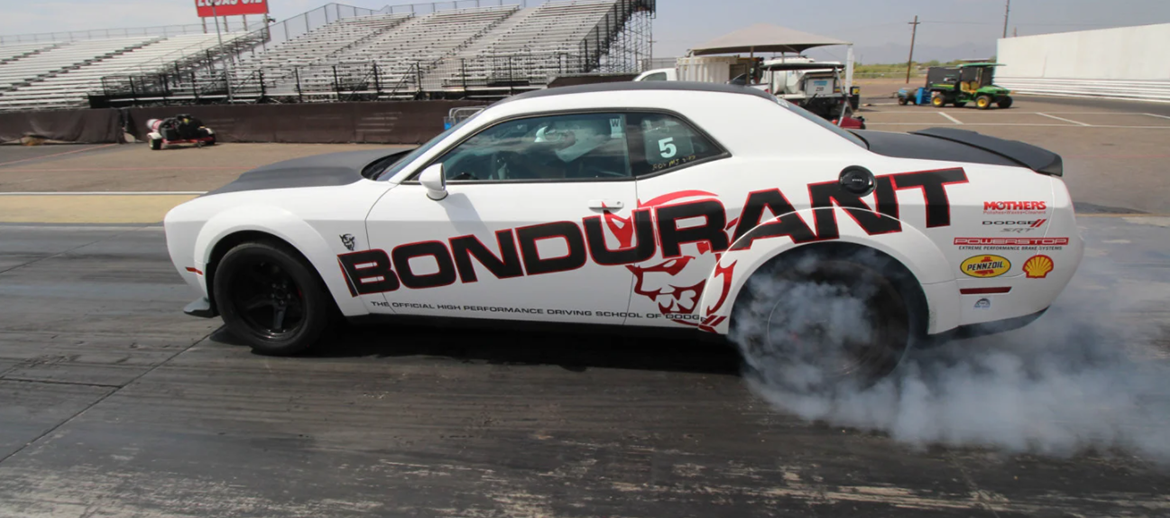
[(1015, 207)]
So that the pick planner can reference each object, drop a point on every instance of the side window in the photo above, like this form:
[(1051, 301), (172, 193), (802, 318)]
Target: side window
[(657, 76), (580, 146), (667, 142)]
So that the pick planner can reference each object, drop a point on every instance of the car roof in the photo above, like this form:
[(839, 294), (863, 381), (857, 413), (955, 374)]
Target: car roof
[(629, 86)]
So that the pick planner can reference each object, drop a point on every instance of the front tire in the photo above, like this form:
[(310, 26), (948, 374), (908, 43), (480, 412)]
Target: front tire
[(938, 101), (1005, 103), (155, 144), (983, 102), (271, 298), (823, 322)]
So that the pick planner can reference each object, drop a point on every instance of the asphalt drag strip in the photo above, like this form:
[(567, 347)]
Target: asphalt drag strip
[(114, 403)]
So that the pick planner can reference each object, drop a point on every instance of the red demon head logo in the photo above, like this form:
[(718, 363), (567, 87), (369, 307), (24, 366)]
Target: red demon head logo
[(676, 284)]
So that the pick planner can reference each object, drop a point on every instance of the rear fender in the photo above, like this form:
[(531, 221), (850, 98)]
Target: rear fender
[(910, 247), (283, 224)]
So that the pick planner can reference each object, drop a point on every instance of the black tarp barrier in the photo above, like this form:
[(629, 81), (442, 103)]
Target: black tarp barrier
[(404, 122), (399, 122), (80, 126)]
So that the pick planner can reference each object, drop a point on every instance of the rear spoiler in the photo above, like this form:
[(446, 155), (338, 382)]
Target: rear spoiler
[(1037, 159)]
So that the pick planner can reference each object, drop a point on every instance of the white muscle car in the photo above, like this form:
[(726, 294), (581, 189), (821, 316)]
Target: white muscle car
[(643, 205)]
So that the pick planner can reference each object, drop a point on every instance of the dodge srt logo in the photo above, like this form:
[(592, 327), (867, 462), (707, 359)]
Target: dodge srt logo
[(671, 243)]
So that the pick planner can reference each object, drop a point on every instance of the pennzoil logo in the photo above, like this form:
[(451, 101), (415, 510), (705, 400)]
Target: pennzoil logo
[(1038, 266), (985, 266)]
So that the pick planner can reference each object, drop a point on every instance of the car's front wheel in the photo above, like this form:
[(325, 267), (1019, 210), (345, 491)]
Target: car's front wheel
[(816, 323), (271, 298)]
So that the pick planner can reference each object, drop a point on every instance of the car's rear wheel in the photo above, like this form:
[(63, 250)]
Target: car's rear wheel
[(983, 102), (271, 298), (823, 322)]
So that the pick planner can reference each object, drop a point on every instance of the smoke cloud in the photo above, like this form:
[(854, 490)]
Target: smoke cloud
[(1090, 375)]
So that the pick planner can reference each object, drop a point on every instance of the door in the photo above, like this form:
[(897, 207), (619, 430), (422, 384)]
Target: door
[(530, 228)]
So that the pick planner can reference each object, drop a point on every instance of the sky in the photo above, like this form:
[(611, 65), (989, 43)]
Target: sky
[(950, 29)]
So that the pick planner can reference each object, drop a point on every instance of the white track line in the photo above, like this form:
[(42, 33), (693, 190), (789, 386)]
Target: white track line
[(952, 119), (1156, 115), (105, 193), (1062, 119)]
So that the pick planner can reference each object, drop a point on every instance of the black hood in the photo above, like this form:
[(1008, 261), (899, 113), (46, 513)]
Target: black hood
[(326, 170)]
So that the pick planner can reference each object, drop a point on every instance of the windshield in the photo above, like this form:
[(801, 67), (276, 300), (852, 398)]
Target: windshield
[(396, 167), (824, 124)]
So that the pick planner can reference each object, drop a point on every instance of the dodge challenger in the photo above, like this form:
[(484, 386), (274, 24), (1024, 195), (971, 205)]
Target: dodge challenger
[(663, 206)]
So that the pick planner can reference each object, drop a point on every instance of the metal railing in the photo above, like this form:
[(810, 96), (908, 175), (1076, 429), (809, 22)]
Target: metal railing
[(485, 76), (161, 30)]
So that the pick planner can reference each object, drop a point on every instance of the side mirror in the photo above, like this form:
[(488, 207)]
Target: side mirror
[(432, 178)]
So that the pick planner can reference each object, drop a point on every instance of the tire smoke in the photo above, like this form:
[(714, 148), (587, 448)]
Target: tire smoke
[(1088, 376)]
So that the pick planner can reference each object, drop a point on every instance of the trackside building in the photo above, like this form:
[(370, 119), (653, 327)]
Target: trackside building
[(1123, 62)]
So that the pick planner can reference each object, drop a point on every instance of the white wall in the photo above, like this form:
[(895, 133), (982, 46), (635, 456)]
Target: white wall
[(1126, 62)]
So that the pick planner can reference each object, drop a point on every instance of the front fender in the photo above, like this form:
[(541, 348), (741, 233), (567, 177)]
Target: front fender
[(285, 225), (910, 247)]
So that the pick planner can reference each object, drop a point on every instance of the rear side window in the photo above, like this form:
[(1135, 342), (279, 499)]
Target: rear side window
[(661, 142)]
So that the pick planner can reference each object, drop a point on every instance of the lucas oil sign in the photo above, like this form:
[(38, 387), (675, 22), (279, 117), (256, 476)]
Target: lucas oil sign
[(230, 7)]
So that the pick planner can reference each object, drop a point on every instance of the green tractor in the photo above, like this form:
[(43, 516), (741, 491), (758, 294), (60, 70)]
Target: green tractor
[(970, 82)]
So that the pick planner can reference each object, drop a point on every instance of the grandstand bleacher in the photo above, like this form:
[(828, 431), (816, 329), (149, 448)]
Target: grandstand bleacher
[(46, 84), (364, 55)]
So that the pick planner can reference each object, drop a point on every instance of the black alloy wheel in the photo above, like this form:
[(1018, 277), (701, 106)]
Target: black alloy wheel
[(271, 298), (822, 324)]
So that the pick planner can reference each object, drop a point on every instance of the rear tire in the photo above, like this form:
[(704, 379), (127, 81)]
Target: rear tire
[(983, 102), (938, 101), (824, 322), (1005, 103), (155, 144), (271, 298)]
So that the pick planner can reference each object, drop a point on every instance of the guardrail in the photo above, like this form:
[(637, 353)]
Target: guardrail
[(1103, 88)]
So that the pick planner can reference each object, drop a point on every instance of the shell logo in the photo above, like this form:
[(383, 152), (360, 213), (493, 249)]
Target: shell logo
[(1038, 266), (985, 266)]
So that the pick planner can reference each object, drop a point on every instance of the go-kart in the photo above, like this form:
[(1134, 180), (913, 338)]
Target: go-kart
[(180, 129)]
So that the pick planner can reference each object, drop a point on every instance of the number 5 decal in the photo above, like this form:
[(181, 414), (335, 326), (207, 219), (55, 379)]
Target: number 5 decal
[(668, 150)]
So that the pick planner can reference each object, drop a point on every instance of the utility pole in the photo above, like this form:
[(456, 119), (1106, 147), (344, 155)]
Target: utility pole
[(1006, 10), (913, 35)]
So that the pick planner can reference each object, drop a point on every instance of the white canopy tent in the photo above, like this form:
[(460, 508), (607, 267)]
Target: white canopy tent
[(765, 37)]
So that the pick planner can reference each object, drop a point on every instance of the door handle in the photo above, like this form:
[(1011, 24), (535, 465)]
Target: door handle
[(606, 205)]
